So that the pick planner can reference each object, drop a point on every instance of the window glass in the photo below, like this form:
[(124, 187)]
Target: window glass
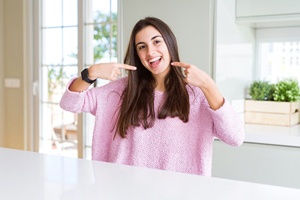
[(96, 7), (69, 13), (52, 46), (278, 53), (70, 47), (51, 13), (101, 33), (280, 60)]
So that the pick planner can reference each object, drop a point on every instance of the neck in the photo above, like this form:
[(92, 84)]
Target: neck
[(160, 84), (160, 80)]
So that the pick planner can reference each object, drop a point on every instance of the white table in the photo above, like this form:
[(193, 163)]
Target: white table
[(34, 176)]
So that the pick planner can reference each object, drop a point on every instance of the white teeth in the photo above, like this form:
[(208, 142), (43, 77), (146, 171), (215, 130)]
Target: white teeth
[(154, 59)]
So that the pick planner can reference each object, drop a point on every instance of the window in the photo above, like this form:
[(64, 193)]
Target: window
[(278, 53), (101, 44), (63, 57)]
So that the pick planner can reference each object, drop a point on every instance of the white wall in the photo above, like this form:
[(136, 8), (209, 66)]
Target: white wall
[(13, 67), (1, 76), (234, 52), (190, 20)]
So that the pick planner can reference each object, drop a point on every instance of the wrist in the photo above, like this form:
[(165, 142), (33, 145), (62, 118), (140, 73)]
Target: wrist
[(91, 73), (206, 84), (85, 76)]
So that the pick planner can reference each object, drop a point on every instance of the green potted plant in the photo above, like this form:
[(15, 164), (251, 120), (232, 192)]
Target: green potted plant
[(262, 91), (273, 104)]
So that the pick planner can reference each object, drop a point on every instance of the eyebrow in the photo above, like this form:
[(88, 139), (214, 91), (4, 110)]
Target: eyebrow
[(151, 39)]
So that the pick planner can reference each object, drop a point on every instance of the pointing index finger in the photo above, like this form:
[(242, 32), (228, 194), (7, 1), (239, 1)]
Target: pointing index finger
[(180, 64), (125, 66)]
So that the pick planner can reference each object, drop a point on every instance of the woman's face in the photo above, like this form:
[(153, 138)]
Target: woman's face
[(152, 51)]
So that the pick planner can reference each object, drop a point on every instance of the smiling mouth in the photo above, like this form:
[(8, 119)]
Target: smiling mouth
[(154, 61)]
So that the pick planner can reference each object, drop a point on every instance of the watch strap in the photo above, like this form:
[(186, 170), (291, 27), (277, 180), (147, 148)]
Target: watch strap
[(85, 76)]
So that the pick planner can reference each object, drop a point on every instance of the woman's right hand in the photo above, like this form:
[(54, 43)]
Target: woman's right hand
[(108, 71)]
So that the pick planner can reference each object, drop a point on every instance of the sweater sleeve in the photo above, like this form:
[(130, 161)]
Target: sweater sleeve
[(77, 102), (228, 126)]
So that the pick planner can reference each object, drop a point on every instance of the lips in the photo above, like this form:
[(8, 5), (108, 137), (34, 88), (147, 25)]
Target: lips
[(154, 61)]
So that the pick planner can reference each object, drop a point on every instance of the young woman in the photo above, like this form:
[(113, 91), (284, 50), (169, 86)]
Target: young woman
[(165, 114)]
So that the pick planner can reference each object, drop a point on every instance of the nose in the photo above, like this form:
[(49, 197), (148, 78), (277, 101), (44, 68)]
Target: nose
[(151, 50)]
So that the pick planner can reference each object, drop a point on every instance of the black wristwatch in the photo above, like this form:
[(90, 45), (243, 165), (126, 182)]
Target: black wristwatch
[(85, 76)]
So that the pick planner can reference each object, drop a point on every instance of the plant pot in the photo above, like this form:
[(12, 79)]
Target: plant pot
[(271, 113)]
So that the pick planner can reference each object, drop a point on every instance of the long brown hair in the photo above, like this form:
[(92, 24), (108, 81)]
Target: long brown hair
[(137, 106)]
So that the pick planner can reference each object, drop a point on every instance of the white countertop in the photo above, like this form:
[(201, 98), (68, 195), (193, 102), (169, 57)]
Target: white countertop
[(275, 135), (34, 176)]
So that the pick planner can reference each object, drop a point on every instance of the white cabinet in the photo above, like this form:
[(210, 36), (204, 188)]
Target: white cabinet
[(267, 8), (259, 163), (268, 13)]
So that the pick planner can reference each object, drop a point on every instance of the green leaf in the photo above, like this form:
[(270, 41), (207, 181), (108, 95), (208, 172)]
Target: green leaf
[(287, 90)]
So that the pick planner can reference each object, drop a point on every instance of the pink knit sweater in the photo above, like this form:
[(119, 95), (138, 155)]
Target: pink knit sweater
[(170, 144)]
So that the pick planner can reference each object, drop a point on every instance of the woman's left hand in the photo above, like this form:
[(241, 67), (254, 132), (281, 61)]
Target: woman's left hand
[(198, 78), (193, 75)]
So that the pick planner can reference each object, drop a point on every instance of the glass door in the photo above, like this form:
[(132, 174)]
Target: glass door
[(74, 35), (59, 63)]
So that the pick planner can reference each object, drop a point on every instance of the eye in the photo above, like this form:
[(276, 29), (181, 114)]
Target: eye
[(157, 41), (141, 47)]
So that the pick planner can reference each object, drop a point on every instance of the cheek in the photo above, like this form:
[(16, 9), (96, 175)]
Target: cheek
[(141, 56), (166, 53)]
